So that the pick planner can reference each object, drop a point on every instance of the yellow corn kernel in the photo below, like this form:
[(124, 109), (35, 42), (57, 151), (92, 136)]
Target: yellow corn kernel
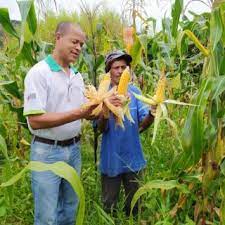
[(160, 90), (124, 81)]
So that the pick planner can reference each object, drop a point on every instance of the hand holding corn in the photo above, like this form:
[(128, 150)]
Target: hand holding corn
[(103, 98)]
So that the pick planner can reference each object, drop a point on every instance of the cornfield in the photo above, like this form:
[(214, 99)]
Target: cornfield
[(182, 64)]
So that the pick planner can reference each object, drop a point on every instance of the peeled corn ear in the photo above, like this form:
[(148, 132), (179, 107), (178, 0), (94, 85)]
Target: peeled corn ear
[(124, 81), (104, 84)]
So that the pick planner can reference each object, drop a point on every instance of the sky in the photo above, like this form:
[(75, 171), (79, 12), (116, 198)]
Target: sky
[(154, 8)]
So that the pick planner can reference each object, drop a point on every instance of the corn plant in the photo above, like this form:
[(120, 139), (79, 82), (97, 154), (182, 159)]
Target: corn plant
[(64, 171)]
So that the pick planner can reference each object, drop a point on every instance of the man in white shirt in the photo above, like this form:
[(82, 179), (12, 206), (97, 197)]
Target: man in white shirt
[(52, 104)]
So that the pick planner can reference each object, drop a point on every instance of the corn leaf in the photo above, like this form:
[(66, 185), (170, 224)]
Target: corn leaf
[(144, 99), (193, 131), (216, 28), (164, 110), (32, 19), (27, 12), (63, 170), (26, 52), (219, 86), (156, 121), (176, 12), (136, 52), (171, 101), (6, 23), (198, 44), (104, 216), (156, 184)]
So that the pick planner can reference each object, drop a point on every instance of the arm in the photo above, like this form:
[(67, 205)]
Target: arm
[(53, 119), (148, 120), (102, 121), (102, 124), (145, 114)]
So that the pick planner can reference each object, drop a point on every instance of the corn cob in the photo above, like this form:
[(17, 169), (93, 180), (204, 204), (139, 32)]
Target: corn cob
[(160, 90), (122, 93), (124, 81)]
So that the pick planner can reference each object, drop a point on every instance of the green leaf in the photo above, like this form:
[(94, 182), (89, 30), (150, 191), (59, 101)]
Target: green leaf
[(28, 15), (219, 86), (99, 62), (176, 11), (12, 88), (26, 52), (195, 40), (24, 7), (216, 28), (3, 147), (6, 23), (103, 215), (63, 170), (32, 19), (144, 42), (136, 52), (156, 184), (193, 131)]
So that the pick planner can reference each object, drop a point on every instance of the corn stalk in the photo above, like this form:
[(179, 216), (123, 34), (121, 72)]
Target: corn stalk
[(203, 133)]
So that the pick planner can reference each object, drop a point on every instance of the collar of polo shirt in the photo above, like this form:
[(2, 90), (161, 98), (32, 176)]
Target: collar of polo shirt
[(54, 66)]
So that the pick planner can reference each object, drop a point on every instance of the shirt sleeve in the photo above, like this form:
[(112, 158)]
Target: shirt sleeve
[(142, 108), (35, 94)]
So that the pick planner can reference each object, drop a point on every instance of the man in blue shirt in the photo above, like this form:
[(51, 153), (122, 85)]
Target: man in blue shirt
[(121, 156)]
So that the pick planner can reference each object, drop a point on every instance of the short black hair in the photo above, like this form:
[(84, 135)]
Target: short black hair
[(63, 27)]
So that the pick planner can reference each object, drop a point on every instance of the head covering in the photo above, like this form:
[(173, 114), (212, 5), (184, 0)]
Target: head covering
[(114, 56)]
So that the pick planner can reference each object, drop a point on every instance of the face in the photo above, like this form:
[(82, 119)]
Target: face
[(116, 70), (69, 45)]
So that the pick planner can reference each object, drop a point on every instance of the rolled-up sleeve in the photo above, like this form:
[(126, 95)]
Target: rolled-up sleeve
[(35, 94)]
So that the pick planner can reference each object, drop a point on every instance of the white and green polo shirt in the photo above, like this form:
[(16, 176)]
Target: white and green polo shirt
[(49, 89)]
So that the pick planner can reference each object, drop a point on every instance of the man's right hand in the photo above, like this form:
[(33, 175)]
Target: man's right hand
[(86, 112)]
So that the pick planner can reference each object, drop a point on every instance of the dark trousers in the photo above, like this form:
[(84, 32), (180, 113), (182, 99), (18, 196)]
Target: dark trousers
[(111, 189)]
